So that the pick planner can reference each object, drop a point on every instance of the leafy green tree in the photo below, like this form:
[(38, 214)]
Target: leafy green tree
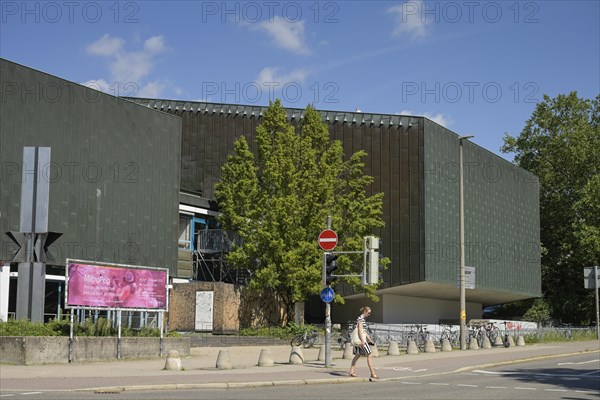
[(278, 198), (539, 312), (560, 143)]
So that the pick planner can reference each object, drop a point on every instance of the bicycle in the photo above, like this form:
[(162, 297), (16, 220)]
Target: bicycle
[(477, 333), (306, 339), (452, 336), (345, 336), (492, 332), (506, 342), (419, 335)]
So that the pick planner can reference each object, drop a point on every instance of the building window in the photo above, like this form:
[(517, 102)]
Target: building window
[(185, 239)]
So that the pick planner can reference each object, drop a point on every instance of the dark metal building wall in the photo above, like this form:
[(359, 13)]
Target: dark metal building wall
[(501, 216), (394, 160), (114, 173)]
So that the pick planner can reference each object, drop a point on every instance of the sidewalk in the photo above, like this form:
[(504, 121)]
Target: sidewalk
[(200, 368)]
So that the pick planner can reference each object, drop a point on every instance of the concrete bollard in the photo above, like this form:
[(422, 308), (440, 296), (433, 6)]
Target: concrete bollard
[(348, 351), (511, 341), (173, 362), (520, 341), (265, 359), (224, 360), (321, 356), (296, 356), (486, 344), (374, 350), (393, 348), (429, 346), (473, 345), (446, 346), (499, 341), (412, 348)]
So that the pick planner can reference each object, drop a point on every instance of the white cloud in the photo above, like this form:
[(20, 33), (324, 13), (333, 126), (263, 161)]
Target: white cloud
[(105, 46), (155, 44), (270, 75), (152, 89), (409, 20), (128, 69), (285, 34), (439, 118)]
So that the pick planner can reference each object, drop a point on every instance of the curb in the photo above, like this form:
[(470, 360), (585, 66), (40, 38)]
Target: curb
[(520, 360), (230, 385)]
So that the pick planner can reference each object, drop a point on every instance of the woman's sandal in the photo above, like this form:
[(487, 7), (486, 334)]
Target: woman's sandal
[(353, 375), (374, 377)]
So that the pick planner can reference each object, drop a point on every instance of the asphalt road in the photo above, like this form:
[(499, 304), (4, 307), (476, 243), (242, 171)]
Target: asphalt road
[(569, 377)]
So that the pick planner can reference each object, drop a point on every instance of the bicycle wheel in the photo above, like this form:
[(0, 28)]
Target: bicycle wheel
[(455, 339), (493, 335), (297, 340), (310, 341), (480, 336)]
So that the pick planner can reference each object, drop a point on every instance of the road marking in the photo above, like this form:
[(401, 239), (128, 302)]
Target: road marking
[(420, 370), (586, 391), (411, 383), (524, 388), (496, 387), (555, 390), (463, 385), (578, 363), (6, 395), (440, 384), (28, 393), (562, 376)]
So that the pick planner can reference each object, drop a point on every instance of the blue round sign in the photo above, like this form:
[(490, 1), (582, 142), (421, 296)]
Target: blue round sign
[(327, 295)]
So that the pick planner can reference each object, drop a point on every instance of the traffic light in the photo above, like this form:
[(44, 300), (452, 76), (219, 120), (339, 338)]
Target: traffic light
[(372, 272), (330, 266)]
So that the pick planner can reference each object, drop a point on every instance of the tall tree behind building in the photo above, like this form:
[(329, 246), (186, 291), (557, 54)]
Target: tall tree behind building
[(560, 143)]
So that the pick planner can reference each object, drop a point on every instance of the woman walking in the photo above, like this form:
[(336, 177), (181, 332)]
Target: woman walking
[(365, 340)]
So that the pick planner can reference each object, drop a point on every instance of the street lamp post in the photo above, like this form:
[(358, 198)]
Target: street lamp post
[(463, 301)]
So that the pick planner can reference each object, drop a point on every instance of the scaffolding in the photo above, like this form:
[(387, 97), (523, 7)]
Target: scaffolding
[(210, 258)]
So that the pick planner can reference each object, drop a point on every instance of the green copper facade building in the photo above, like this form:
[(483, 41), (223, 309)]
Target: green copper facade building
[(133, 182)]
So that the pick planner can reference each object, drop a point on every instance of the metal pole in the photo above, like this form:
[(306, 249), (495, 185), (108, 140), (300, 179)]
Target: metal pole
[(597, 305), (327, 312), (71, 337), (463, 314), (463, 300), (118, 315)]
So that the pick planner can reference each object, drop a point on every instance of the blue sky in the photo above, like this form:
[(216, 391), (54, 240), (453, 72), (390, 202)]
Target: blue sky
[(476, 67)]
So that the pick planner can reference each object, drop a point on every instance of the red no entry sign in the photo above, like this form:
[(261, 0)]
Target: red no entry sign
[(328, 239)]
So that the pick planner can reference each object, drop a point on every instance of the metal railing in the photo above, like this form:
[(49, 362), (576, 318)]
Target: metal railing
[(216, 240)]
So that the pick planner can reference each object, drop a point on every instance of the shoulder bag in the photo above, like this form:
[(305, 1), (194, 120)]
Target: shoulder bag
[(354, 337)]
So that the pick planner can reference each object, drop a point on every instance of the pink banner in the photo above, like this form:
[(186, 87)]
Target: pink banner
[(116, 287)]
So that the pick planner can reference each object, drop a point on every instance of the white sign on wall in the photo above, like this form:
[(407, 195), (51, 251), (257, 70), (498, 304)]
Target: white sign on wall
[(204, 311)]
